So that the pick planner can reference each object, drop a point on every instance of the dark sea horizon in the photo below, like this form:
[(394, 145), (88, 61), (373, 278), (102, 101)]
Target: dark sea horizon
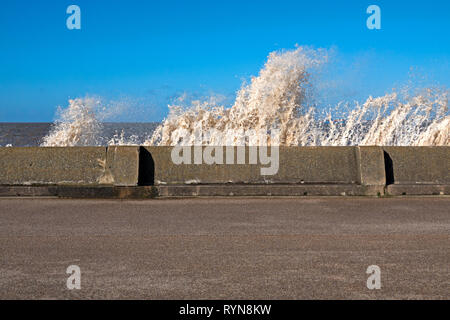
[(31, 134)]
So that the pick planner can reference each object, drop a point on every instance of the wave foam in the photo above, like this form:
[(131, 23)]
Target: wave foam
[(278, 107)]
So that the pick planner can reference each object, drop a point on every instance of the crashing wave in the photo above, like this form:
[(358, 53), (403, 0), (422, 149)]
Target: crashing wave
[(278, 107)]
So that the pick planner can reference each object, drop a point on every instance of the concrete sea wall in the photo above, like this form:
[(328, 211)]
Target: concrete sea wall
[(69, 166), (141, 172)]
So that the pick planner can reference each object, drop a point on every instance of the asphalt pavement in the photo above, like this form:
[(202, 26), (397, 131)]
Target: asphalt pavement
[(278, 248)]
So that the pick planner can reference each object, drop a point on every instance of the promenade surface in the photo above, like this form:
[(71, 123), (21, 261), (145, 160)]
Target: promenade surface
[(279, 248)]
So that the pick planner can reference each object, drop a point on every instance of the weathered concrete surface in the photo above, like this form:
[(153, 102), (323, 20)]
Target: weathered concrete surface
[(417, 189), (38, 165), (304, 248), (371, 166), (69, 166), (301, 171), (81, 192), (275, 190), (123, 166), (333, 165), (173, 191), (166, 172), (220, 190), (420, 165)]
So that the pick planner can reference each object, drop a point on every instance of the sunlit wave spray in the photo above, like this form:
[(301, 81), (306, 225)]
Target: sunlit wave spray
[(76, 126), (280, 100)]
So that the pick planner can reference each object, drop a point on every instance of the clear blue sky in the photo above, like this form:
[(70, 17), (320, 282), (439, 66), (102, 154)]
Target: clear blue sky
[(153, 50)]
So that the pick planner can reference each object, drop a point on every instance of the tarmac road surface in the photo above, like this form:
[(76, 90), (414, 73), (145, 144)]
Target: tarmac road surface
[(279, 248)]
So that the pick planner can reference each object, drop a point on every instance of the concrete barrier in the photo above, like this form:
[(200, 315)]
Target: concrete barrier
[(341, 171), (297, 165), (69, 166), (371, 166), (419, 165), (274, 190), (417, 170), (122, 165), (115, 171), (81, 192)]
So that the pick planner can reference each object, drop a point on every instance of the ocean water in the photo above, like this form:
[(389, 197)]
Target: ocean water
[(32, 134)]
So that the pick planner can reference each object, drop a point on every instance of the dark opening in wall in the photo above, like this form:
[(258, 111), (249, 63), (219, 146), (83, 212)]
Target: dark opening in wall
[(389, 167), (146, 168)]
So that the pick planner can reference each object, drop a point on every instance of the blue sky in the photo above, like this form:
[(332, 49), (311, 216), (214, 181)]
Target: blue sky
[(152, 51)]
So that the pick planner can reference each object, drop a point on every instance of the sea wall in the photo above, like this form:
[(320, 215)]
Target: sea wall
[(295, 165), (128, 171), (69, 166), (417, 170)]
